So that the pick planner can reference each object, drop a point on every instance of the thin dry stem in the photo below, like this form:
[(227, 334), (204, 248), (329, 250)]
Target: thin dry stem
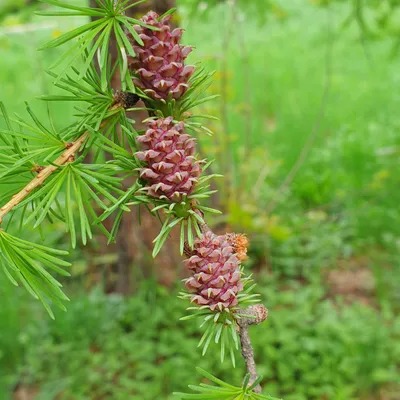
[(254, 315), (66, 157), (41, 177)]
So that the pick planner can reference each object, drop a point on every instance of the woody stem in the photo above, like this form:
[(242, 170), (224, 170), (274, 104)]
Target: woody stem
[(41, 177), (252, 315), (66, 157)]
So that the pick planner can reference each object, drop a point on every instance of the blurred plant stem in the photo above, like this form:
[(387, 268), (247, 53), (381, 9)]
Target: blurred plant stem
[(227, 151), (236, 177), (246, 68), (318, 120)]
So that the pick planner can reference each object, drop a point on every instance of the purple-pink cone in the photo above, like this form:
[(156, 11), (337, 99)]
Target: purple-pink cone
[(216, 273), (159, 63), (172, 169)]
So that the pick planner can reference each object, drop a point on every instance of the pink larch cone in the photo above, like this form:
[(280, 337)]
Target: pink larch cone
[(172, 169), (159, 63), (216, 273)]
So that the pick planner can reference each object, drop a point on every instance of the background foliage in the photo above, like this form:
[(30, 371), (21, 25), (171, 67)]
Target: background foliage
[(324, 249)]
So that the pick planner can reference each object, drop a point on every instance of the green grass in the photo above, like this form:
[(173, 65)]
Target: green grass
[(106, 347)]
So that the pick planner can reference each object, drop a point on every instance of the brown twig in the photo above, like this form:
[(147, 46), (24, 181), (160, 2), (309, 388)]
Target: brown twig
[(252, 315), (66, 157), (40, 178)]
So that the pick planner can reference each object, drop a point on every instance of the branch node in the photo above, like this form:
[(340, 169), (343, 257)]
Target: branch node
[(125, 99), (254, 315), (37, 169)]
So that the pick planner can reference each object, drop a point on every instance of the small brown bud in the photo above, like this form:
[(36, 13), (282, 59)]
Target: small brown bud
[(126, 99), (37, 168), (255, 314), (187, 114), (187, 251)]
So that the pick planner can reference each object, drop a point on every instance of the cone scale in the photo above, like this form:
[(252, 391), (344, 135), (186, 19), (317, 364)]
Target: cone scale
[(171, 169), (215, 282), (159, 65)]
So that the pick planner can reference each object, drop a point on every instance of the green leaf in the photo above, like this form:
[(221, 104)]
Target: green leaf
[(190, 233), (208, 209), (160, 242), (84, 10), (169, 12), (182, 239), (110, 18), (132, 31), (221, 390), (22, 261), (70, 212), (71, 35)]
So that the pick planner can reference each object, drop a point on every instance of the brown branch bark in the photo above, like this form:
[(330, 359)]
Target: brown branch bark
[(40, 178), (254, 315), (71, 149)]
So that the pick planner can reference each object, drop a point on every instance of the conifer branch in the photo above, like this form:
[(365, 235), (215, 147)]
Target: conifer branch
[(169, 171), (71, 149), (67, 156)]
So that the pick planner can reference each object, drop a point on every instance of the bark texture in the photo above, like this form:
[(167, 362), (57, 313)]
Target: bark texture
[(254, 315)]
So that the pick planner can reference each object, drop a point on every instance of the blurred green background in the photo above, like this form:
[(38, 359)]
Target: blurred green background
[(308, 140)]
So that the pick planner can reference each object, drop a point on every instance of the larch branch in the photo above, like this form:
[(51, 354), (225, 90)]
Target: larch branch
[(121, 101), (41, 177)]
